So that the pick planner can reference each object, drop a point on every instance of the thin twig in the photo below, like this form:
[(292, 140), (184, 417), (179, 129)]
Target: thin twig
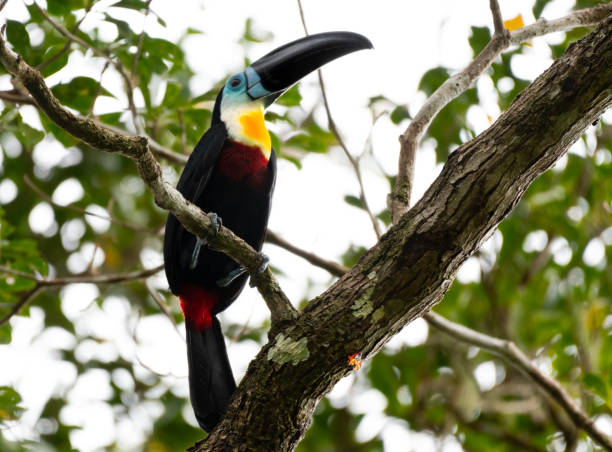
[(98, 90), (111, 278), (514, 356), (140, 41), (334, 129), (109, 218), (163, 307), (159, 301), (399, 199), (129, 87), (16, 97), (587, 17), (498, 22), (66, 47), (183, 132), (332, 267), (24, 299), (159, 150), (515, 439), (42, 284)]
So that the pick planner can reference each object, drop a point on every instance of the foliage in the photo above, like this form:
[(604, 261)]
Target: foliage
[(539, 284)]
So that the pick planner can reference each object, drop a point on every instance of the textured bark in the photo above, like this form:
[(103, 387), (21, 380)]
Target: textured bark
[(414, 263)]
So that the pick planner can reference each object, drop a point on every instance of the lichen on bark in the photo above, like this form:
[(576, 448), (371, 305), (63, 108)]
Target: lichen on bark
[(287, 350)]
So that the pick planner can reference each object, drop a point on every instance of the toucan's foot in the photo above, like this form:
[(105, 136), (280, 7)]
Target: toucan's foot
[(217, 223), (265, 260), (231, 276)]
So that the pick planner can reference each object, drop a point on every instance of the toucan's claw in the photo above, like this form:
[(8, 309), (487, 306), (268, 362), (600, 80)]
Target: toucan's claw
[(265, 260), (231, 276), (196, 252), (226, 281), (217, 223)]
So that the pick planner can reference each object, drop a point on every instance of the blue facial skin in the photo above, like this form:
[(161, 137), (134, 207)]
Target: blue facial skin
[(245, 87)]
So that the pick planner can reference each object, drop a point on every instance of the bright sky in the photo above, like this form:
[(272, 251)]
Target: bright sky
[(308, 209)]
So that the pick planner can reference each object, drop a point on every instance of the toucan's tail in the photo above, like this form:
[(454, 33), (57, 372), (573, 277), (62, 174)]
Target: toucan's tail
[(211, 382)]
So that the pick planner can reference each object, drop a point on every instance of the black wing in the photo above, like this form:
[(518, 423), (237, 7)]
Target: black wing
[(192, 182)]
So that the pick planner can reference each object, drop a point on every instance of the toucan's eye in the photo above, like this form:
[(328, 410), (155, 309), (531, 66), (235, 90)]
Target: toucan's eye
[(235, 82)]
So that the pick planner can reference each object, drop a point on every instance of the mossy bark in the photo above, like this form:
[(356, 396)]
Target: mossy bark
[(414, 263)]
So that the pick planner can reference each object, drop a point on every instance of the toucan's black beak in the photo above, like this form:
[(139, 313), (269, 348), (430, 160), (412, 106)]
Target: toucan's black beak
[(277, 71)]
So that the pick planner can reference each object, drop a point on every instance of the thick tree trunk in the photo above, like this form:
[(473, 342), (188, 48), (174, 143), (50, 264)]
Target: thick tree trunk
[(414, 263)]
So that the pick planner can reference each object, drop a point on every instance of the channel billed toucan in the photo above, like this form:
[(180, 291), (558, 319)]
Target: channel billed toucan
[(230, 175)]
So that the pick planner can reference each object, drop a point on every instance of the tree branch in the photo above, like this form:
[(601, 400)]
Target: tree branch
[(109, 218), (166, 196), (42, 284), (503, 348), (140, 41), (414, 263), (399, 199), (16, 97), (159, 150), (513, 355), (498, 22), (111, 278)]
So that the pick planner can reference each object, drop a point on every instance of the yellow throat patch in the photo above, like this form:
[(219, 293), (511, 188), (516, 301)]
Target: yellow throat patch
[(254, 129)]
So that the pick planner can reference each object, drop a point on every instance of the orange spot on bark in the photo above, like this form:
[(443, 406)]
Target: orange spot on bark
[(354, 361)]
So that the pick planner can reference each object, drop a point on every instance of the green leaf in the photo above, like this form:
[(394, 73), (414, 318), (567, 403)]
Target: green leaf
[(354, 201), (313, 139), (385, 217), (111, 118), (5, 334), (60, 134), (56, 62), (432, 79), (352, 255), (123, 28), (15, 284), (64, 7), (172, 95), (250, 36), (138, 5), (479, 39), (594, 383), (79, 93), (539, 7), (275, 117), (35, 15), (161, 21), (9, 404), (17, 35), (291, 97), (29, 136), (400, 113), (307, 142)]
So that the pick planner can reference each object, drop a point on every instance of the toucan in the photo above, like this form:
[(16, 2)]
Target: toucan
[(230, 175)]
